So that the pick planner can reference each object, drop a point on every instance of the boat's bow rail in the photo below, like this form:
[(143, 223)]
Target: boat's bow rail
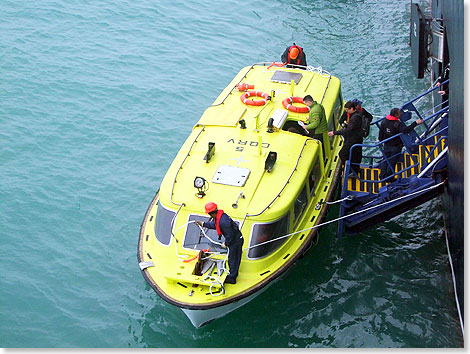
[(234, 88)]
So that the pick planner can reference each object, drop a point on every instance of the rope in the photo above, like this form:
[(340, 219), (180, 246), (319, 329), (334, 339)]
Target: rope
[(277, 64), (348, 197), (218, 281), (217, 243), (345, 216), (454, 283), (204, 279)]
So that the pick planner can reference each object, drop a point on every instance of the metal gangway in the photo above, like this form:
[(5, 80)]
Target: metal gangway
[(419, 175)]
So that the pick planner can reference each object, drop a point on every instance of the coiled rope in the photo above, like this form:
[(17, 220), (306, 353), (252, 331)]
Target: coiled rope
[(212, 254)]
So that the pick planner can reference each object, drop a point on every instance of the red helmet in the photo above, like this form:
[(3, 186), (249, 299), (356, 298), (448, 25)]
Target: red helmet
[(210, 207), (294, 53)]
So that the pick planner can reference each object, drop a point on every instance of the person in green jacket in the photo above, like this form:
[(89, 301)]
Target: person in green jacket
[(316, 125)]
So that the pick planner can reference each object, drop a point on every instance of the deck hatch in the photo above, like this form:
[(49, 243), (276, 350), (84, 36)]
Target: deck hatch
[(231, 175), (285, 77)]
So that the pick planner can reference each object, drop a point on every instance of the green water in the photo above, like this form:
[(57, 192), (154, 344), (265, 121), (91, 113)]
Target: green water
[(96, 99)]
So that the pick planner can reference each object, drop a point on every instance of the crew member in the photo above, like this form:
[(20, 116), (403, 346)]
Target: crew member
[(294, 55), (316, 124), (352, 135), (392, 125), (233, 238)]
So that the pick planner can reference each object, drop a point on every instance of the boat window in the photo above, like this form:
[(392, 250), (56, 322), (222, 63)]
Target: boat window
[(300, 203), (195, 239), (163, 224), (337, 111), (314, 177), (266, 232)]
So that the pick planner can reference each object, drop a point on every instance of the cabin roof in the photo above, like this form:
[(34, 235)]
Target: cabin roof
[(247, 149)]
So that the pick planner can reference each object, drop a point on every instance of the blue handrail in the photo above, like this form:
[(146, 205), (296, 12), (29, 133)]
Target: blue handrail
[(439, 117), (379, 145)]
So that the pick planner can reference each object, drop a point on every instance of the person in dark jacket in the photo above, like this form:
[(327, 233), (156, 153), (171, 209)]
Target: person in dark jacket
[(294, 55), (352, 135), (344, 120), (225, 226), (392, 125)]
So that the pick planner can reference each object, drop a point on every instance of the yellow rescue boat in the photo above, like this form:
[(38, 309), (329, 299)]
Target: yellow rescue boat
[(273, 182)]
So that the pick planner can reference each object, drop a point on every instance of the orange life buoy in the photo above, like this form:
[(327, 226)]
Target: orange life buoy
[(287, 103), (245, 87), (247, 94)]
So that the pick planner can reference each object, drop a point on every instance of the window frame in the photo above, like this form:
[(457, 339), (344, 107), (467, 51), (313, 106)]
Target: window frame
[(279, 245), (297, 217), (316, 166), (158, 217)]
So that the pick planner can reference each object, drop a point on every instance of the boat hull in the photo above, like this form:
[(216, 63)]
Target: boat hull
[(199, 318)]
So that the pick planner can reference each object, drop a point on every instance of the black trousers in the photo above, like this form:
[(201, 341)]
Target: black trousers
[(234, 258), (356, 156)]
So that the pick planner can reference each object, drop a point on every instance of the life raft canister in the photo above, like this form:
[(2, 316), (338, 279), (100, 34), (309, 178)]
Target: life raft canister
[(245, 87), (287, 103), (245, 100)]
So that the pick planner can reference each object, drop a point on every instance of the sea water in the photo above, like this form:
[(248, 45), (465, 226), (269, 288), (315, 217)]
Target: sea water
[(97, 97)]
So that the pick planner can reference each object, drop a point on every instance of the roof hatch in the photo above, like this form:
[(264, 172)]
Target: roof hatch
[(231, 175), (285, 77)]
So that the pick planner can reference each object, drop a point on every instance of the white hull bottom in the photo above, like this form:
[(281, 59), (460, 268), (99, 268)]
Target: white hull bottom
[(201, 317)]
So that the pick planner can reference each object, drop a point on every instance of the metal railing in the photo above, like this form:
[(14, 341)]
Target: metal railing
[(379, 160)]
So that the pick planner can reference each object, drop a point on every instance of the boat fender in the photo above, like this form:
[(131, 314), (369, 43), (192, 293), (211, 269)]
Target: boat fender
[(287, 103), (245, 100)]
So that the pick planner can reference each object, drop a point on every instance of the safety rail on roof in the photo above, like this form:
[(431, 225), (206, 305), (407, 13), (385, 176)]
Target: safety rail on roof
[(316, 70), (285, 184)]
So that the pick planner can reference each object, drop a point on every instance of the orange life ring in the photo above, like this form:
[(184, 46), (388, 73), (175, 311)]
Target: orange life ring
[(247, 94), (287, 103)]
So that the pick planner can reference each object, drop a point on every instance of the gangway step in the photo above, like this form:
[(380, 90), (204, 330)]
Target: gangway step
[(425, 157), (412, 163), (408, 161), (370, 174)]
